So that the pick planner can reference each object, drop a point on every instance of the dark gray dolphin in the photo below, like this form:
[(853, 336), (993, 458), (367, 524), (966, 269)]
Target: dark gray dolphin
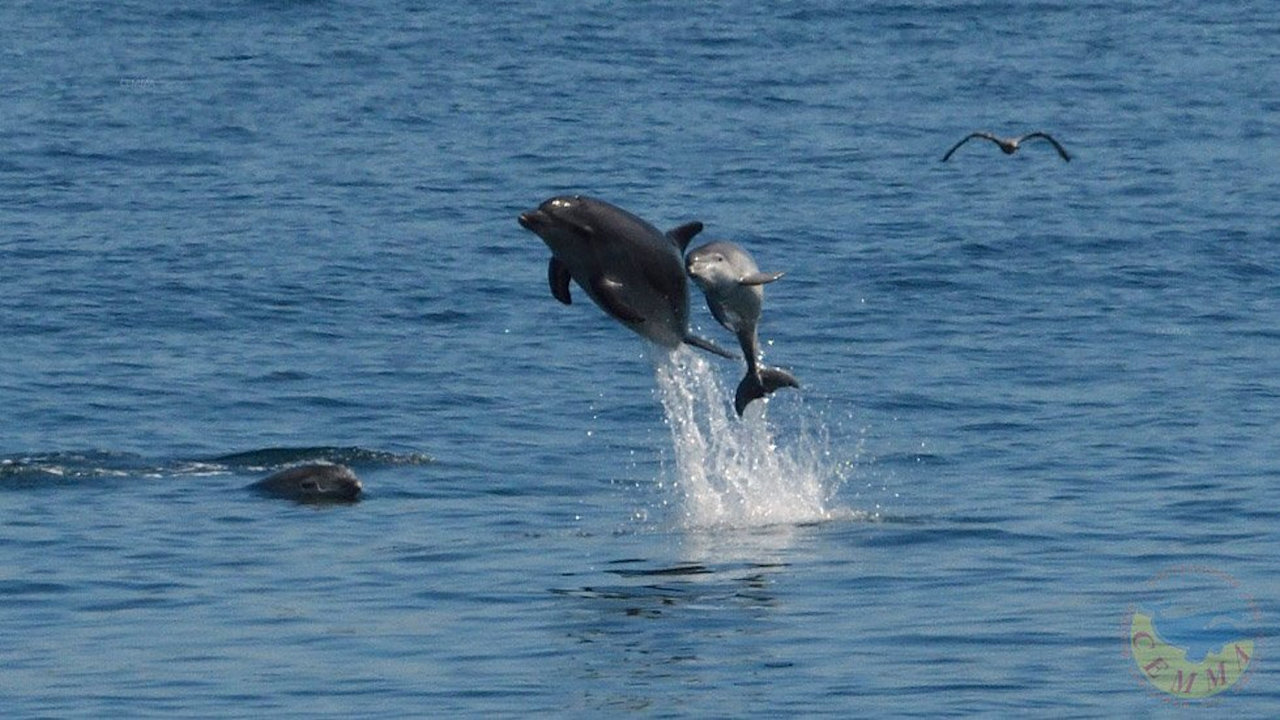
[(1010, 145), (317, 483), (732, 283), (627, 266)]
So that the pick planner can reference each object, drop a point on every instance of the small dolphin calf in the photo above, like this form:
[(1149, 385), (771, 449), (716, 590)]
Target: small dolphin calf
[(629, 268), (317, 483), (731, 281)]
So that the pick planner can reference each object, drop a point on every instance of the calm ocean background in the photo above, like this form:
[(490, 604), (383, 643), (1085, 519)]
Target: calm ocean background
[(246, 234)]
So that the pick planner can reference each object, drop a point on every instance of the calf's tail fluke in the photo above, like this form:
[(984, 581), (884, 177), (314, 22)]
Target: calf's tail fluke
[(758, 384)]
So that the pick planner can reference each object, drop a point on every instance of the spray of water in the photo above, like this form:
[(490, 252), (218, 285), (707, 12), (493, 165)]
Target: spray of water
[(733, 472)]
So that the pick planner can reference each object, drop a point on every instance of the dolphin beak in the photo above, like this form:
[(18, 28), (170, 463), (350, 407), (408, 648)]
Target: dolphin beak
[(527, 220)]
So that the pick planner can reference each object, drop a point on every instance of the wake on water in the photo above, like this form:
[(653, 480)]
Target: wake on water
[(732, 472)]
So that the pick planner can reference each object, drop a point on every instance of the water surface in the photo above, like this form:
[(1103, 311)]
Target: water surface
[(246, 235)]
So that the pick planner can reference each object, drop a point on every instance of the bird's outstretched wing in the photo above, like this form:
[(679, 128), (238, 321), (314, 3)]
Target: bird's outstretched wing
[(967, 138), (1056, 145)]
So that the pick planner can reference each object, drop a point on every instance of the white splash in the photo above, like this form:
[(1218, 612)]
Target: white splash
[(730, 471)]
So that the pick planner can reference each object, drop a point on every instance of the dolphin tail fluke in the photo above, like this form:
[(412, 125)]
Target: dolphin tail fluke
[(755, 386), (709, 346)]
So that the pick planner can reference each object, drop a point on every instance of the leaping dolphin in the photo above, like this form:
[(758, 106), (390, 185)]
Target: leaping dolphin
[(627, 266), (732, 283)]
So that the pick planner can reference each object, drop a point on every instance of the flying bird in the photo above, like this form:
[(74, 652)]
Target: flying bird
[(1009, 145)]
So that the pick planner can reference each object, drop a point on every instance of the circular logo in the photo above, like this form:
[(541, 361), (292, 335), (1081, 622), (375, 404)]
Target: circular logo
[(1192, 634)]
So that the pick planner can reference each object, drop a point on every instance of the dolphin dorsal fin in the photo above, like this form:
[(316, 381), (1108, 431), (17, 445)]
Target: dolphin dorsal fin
[(683, 234)]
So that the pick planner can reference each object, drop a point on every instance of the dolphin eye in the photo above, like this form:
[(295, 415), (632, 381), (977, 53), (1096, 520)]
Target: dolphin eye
[(311, 485)]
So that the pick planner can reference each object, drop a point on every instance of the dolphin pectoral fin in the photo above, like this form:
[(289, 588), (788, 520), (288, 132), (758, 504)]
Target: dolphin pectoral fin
[(760, 278), (683, 234), (755, 386), (608, 293), (709, 346), (720, 314), (558, 276)]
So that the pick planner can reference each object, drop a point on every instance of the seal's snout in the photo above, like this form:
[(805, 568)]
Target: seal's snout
[(352, 491)]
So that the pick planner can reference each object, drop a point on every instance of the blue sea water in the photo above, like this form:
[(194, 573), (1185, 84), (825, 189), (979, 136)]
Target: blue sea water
[(239, 236)]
